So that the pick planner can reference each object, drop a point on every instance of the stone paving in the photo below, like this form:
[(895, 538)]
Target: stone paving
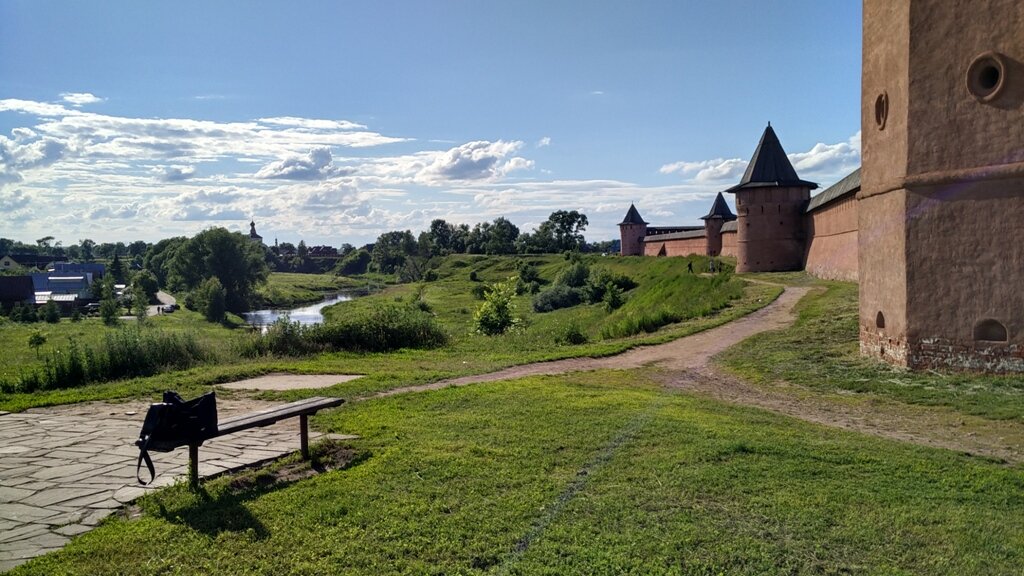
[(64, 469)]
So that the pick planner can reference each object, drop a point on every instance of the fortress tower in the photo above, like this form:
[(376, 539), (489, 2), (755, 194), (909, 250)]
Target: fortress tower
[(941, 206), (770, 200), (713, 222), (632, 230)]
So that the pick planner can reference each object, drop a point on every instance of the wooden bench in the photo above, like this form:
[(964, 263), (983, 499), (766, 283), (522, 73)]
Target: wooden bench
[(301, 408)]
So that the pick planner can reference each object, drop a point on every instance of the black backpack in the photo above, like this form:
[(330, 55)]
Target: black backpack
[(173, 423)]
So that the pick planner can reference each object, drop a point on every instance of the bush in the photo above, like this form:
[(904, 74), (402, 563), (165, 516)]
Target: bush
[(51, 313), (109, 309), (572, 336), (211, 299), (612, 297), (558, 296), (430, 276), (76, 315), (472, 276), (574, 276), (497, 314), (126, 353), (528, 273), (386, 327), (480, 291)]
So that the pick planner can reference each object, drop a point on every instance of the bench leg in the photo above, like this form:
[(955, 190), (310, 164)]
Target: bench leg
[(304, 436), (193, 466)]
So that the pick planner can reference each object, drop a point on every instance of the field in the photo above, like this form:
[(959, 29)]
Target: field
[(540, 336), (600, 473)]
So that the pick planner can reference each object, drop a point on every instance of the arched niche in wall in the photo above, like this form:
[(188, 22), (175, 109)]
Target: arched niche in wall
[(989, 330)]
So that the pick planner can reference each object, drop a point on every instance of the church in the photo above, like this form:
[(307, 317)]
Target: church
[(931, 224)]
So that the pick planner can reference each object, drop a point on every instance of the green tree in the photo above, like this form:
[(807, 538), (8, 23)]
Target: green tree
[(497, 313), (51, 312), (35, 340), (117, 269), (109, 308), (158, 257), (356, 262), (76, 315), (234, 260), (87, 249), (561, 232), (210, 299), (146, 281), (391, 251), (140, 303)]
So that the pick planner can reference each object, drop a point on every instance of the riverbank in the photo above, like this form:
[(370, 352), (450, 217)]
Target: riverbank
[(292, 290)]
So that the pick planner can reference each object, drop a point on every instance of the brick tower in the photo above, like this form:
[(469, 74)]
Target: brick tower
[(770, 200), (713, 222), (632, 230), (941, 206)]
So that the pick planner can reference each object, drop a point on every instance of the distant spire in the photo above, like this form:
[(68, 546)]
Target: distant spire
[(632, 217), (720, 210)]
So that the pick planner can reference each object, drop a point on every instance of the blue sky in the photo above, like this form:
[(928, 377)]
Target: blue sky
[(335, 121)]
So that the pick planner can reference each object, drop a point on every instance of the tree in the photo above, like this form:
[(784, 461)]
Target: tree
[(51, 313), (237, 263), (117, 269), (35, 340), (137, 248), (302, 251), (501, 237), (355, 263), (210, 298), (497, 313), (145, 281), (158, 257), (109, 308), (391, 251), (140, 303), (87, 248), (561, 232), (44, 244)]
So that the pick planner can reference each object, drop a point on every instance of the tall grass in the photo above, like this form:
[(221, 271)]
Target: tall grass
[(676, 295), (126, 353), (383, 328)]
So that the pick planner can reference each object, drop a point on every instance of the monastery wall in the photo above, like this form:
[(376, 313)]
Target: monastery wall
[(679, 247), (730, 245), (831, 250)]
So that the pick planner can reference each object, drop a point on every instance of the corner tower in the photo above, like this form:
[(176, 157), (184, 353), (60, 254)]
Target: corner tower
[(941, 208), (632, 230), (713, 222), (770, 200)]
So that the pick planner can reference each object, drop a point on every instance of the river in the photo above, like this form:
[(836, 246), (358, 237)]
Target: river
[(304, 315)]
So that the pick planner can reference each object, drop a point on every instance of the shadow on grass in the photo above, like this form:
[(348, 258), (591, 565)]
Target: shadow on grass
[(220, 505)]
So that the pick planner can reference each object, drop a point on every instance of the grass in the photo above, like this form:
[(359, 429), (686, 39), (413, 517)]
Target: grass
[(542, 336), (599, 473), (820, 351)]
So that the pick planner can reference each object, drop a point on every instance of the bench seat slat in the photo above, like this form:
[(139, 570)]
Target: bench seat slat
[(272, 415)]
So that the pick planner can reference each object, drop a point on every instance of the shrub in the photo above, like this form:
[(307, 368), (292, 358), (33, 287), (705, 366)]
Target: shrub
[(51, 313), (472, 276), (76, 315), (355, 262), (497, 313), (211, 299), (572, 336), (479, 291), (430, 276), (558, 296), (527, 272), (574, 276), (612, 297), (109, 309)]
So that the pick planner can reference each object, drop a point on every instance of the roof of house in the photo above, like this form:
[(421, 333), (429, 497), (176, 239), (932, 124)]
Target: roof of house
[(770, 167), (16, 288), (698, 233), (44, 297), (848, 185), (719, 210), (655, 230), (632, 217)]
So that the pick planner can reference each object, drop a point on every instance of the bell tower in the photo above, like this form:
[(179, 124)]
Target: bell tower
[(632, 230), (941, 206)]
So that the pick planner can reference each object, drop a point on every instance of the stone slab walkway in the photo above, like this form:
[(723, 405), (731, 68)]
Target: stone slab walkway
[(64, 469)]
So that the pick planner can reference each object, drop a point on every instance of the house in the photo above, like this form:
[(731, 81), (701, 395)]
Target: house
[(16, 261), (16, 289)]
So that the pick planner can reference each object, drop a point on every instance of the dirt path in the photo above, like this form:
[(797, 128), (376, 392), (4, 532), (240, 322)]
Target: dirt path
[(685, 365)]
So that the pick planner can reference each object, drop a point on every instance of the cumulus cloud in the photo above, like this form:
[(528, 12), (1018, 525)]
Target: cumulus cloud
[(474, 161), (78, 99), (122, 212), (718, 169), (175, 173), (19, 155), (543, 142), (315, 165), (203, 212), (11, 201)]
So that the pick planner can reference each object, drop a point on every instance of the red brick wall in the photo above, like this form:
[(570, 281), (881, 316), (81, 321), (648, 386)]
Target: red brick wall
[(729, 245), (677, 247), (832, 241)]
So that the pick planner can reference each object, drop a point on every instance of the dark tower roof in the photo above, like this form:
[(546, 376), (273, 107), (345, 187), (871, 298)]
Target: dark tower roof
[(632, 217), (770, 167), (720, 210), (252, 231)]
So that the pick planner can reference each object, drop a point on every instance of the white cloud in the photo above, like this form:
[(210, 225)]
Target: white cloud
[(175, 173), (13, 200), (311, 123), (718, 169), (474, 161), (78, 99), (543, 142), (315, 165)]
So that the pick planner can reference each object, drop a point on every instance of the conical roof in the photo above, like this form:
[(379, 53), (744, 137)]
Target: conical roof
[(632, 217), (720, 210), (770, 167)]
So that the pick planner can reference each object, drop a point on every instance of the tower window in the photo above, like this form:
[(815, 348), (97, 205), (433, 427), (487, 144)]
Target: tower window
[(990, 330), (882, 110), (986, 76), (879, 320)]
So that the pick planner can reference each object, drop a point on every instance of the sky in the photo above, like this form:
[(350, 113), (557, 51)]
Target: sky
[(333, 122)]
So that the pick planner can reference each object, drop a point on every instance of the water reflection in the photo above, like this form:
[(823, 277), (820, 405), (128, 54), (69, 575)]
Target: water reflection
[(305, 315)]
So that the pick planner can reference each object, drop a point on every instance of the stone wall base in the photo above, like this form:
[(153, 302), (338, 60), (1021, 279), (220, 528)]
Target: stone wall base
[(943, 354)]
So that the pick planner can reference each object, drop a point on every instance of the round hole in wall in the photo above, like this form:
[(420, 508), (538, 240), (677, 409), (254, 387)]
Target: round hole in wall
[(882, 110), (986, 76)]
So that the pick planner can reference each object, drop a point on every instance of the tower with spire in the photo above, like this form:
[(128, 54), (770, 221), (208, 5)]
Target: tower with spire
[(770, 200), (632, 230), (713, 222), (252, 233)]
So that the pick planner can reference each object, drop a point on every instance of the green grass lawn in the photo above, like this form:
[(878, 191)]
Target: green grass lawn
[(451, 300), (599, 473), (820, 351)]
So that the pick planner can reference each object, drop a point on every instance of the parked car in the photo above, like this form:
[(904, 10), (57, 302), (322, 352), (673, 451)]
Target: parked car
[(168, 308), (92, 308)]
